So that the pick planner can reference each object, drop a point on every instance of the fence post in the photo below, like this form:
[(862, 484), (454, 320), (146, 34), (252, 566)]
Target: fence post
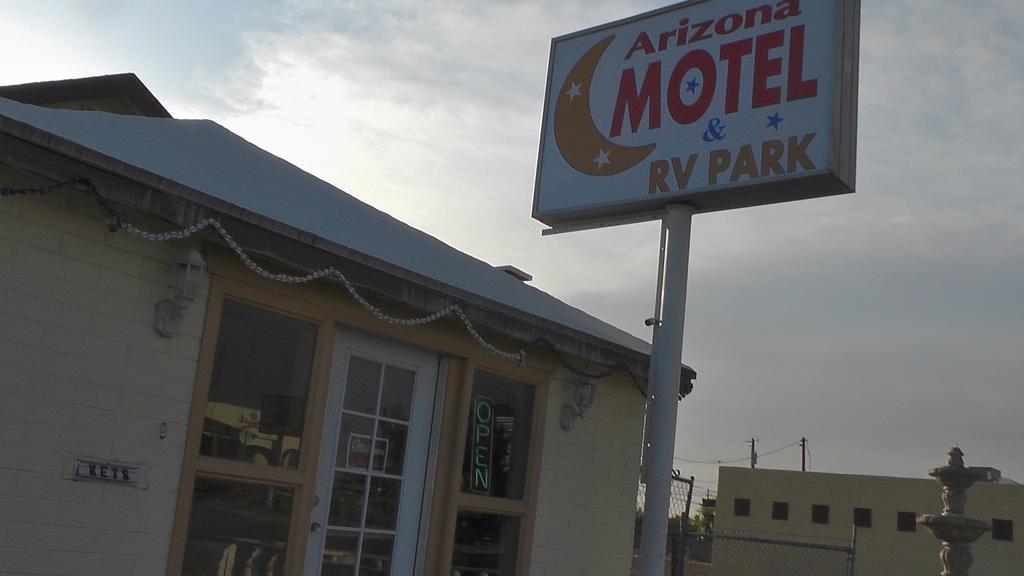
[(853, 550)]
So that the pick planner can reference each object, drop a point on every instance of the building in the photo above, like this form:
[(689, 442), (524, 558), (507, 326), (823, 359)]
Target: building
[(819, 508), (173, 401)]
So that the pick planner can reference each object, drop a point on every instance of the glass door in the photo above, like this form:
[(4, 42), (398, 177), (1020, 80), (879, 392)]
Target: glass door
[(373, 461)]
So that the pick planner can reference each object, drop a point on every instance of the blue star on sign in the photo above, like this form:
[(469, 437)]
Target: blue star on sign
[(774, 120), (691, 86)]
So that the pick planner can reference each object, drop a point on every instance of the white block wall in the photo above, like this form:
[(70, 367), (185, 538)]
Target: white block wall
[(587, 500), (83, 373)]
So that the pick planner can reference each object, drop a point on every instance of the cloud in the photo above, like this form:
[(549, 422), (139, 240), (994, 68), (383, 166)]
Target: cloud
[(853, 320), (883, 325)]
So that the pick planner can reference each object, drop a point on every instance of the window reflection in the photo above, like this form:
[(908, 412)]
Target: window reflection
[(340, 554), (257, 399), (485, 545), (237, 528)]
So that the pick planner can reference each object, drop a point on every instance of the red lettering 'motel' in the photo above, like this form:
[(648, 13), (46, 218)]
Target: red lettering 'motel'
[(647, 97), (682, 112), (796, 87), (637, 99), (733, 53), (766, 67)]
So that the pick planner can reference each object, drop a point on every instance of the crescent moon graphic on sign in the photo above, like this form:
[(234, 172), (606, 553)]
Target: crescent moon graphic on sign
[(578, 139)]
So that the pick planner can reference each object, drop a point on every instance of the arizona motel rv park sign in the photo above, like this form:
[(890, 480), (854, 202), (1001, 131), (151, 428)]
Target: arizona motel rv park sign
[(716, 104)]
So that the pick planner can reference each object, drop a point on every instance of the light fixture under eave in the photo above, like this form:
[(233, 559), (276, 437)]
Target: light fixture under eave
[(584, 395), (189, 270)]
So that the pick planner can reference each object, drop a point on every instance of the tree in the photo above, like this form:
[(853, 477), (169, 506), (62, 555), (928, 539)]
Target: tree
[(704, 521)]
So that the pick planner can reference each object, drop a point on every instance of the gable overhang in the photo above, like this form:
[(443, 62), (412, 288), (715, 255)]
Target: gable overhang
[(127, 90), (56, 159)]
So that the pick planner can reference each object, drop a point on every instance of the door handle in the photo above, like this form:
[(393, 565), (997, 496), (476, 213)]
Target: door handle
[(315, 527)]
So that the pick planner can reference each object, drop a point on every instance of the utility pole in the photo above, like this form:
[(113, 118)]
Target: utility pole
[(803, 454), (753, 453)]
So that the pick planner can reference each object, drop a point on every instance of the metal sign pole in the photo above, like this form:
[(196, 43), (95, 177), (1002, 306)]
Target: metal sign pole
[(666, 359), (655, 323)]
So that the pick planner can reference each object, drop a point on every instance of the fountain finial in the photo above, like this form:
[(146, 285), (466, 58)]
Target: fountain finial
[(955, 457), (956, 531)]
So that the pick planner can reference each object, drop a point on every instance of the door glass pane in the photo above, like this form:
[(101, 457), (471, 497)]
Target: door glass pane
[(498, 440), (257, 400), (382, 508), (234, 527), (354, 443), (390, 448), (376, 558), (396, 399), (340, 553), (362, 387), (485, 544), (374, 434), (347, 500)]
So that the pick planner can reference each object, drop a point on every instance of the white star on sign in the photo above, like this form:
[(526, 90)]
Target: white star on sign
[(574, 91), (603, 159)]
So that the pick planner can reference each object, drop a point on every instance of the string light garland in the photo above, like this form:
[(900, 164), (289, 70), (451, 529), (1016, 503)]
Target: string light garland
[(116, 224)]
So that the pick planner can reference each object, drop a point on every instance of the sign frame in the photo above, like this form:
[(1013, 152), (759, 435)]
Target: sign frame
[(838, 177), (108, 471), (372, 454)]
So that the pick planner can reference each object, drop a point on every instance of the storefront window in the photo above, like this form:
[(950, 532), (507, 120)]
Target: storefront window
[(485, 545), (498, 439), (257, 399), (237, 528)]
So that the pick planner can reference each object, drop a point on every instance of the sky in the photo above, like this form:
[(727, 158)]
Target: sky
[(883, 326)]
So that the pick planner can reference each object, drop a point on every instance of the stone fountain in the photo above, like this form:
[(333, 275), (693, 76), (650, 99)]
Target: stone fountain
[(956, 531)]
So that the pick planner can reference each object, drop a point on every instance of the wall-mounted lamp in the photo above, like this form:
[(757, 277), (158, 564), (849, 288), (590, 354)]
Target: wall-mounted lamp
[(584, 396), (189, 269)]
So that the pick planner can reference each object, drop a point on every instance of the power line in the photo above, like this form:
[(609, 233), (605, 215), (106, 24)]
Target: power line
[(736, 460), (733, 461), (779, 449), (713, 442)]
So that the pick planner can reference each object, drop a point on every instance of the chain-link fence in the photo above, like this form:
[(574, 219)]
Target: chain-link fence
[(741, 554), (682, 539)]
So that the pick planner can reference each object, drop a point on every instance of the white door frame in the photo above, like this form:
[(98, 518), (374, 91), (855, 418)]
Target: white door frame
[(425, 420)]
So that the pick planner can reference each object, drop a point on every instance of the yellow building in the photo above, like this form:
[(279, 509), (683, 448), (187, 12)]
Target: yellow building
[(179, 397), (822, 509)]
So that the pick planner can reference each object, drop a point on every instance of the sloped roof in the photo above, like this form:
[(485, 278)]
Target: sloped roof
[(119, 93), (208, 158)]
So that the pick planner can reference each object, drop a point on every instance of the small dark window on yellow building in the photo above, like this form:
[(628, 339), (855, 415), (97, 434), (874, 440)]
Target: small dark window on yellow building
[(862, 517), (819, 513), (780, 510), (1002, 530), (906, 522), (741, 507)]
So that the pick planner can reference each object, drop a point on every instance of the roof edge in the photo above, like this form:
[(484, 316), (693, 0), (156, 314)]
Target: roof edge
[(136, 188), (125, 85)]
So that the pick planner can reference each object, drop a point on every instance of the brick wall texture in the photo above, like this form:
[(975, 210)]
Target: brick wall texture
[(83, 374), (588, 485)]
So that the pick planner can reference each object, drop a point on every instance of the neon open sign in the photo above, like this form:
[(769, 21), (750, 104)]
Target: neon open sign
[(482, 445)]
